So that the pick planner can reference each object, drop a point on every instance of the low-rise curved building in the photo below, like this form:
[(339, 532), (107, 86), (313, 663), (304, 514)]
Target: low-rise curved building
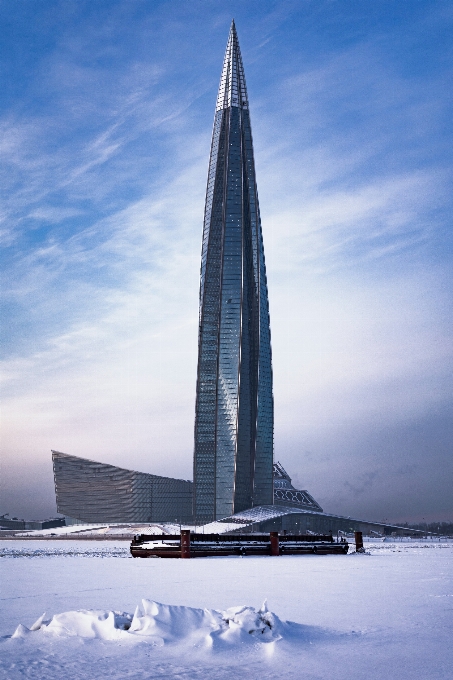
[(90, 491)]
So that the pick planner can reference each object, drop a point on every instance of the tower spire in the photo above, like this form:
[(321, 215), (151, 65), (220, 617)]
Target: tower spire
[(234, 419), (232, 88)]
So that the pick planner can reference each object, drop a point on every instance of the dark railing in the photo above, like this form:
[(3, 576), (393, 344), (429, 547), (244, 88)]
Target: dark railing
[(188, 544)]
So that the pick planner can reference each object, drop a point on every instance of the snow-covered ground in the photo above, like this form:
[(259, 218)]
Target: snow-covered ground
[(102, 530), (387, 614)]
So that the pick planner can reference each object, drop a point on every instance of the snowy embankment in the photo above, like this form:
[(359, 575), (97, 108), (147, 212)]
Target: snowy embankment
[(377, 616), (160, 624), (102, 531), (18, 549)]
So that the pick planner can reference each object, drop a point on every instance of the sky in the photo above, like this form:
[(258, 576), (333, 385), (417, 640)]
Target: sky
[(106, 117)]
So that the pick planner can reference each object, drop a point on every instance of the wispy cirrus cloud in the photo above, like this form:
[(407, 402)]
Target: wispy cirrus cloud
[(105, 155)]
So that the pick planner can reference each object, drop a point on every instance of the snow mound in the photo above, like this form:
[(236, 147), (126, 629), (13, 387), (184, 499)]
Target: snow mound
[(162, 624)]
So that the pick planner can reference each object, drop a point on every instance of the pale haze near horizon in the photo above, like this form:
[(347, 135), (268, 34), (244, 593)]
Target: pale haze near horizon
[(106, 121)]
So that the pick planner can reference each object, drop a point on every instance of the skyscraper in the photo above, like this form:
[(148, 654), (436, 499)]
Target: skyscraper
[(234, 419)]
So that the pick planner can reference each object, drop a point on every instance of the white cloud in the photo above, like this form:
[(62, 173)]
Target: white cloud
[(54, 215), (120, 380)]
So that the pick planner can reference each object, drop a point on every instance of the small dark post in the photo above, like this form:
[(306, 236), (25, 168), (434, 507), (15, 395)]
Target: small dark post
[(275, 550), (185, 544), (358, 540)]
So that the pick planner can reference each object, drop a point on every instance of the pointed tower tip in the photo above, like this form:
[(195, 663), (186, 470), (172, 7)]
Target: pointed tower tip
[(232, 88)]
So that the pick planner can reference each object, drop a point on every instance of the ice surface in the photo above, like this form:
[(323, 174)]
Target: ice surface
[(382, 616)]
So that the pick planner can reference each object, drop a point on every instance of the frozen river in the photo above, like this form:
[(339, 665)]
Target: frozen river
[(387, 614)]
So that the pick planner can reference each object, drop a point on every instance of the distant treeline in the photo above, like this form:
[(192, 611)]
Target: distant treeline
[(442, 528)]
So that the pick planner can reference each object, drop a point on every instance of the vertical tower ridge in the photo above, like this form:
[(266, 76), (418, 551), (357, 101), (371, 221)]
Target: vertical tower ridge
[(233, 454)]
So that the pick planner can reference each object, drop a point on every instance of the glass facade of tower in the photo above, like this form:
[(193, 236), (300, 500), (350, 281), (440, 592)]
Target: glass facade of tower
[(234, 420)]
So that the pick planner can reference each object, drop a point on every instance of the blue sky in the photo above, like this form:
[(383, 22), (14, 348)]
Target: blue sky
[(106, 116)]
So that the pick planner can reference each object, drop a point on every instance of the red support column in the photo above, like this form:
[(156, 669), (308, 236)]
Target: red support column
[(358, 540), (185, 544), (275, 550)]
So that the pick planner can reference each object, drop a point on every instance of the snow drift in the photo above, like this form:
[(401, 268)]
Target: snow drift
[(161, 624)]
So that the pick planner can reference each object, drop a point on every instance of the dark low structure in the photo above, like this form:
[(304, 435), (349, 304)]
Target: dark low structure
[(188, 545), (40, 524), (16, 524), (7, 522)]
